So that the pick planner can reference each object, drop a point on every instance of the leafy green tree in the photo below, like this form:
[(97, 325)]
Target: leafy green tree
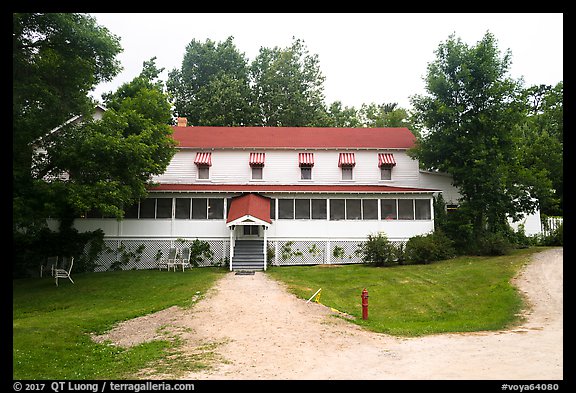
[(56, 60), (542, 147), (469, 116), (342, 117), (288, 87), (108, 162), (212, 86)]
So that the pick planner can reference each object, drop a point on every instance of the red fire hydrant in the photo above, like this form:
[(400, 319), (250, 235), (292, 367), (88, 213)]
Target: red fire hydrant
[(364, 304)]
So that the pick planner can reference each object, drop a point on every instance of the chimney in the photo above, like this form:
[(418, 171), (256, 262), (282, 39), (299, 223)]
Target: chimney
[(182, 122)]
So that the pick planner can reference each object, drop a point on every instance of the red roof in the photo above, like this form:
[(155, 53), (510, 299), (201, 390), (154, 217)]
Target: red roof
[(293, 137), (352, 188), (250, 205)]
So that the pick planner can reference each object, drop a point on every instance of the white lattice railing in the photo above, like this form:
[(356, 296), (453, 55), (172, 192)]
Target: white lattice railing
[(128, 254)]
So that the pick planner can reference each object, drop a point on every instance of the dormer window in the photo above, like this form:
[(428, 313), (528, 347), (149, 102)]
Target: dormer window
[(386, 162), (347, 161), (306, 162), (256, 163), (203, 161)]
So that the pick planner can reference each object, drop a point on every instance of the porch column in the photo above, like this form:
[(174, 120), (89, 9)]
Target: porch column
[(265, 246), (231, 244)]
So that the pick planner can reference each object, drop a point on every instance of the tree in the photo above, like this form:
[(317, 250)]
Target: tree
[(110, 161), (541, 145), (288, 87), (469, 115), (212, 86), (342, 117), (56, 60)]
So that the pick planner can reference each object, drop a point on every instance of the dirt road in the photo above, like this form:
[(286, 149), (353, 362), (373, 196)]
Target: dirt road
[(260, 331)]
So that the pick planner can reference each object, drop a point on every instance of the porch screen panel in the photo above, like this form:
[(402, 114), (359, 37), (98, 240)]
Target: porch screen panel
[(405, 209), (182, 208), (337, 209), (286, 209), (199, 208), (370, 209), (353, 209), (148, 208), (319, 209), (131, 211), (422, 207), (163, 207), (388, 209), (272, 209), (215, 208), (302, 209)]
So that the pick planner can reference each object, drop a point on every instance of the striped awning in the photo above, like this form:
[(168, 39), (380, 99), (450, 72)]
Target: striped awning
[(347, 159), (386, 159), (203, 159), (257, 159), (306, 159)]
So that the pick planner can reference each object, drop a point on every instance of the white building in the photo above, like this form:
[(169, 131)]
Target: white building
[(306, 195)]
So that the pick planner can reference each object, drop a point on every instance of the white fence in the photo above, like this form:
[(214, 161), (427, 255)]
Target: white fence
[(144, 253), (550, 224)]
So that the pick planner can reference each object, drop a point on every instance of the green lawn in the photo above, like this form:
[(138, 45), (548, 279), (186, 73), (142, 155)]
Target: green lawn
[(459, 295), (51, 324)]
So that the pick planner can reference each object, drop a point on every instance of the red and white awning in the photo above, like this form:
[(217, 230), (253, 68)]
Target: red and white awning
[(347, 159), (203, 159), (306, 159), (257, 159), (386, 159)]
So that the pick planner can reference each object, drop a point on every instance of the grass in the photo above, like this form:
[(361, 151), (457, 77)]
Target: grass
[(459, 295), (51, 325)]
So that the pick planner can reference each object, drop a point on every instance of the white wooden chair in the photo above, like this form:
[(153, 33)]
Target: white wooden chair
[(168, 262), (64, 269), (184, 259), (49, 265)]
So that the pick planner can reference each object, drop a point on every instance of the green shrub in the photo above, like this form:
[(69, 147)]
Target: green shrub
[(489, 243), (555, 238), (378, 250), (429, 248)]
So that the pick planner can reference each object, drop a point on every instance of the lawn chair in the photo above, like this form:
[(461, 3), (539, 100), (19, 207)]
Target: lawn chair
[(64, 270), (168, 262), (49, 264), (184, 259)]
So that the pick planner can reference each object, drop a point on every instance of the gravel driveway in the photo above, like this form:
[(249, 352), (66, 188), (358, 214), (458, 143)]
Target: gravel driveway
[(260, 331)]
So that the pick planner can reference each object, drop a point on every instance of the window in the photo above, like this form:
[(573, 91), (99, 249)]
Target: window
[(422, 209), (182, 208), (199, 208), (306, 173), (272, 208), (131, 211), (251, 230), (388, 209), (405, 209), (370, 209), (163, 207), (353, 209), (385, 173), (257, 173), (203, 172), (319, 209), (286, 209), (346, 173), (302, 209), (148, 208), (337, 209), (215, 208)]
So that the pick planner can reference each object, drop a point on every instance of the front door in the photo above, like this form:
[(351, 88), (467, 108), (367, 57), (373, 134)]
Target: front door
[(251, 230)]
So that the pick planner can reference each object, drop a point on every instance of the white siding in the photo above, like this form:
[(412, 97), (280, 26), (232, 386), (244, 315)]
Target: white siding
[(281, 167)]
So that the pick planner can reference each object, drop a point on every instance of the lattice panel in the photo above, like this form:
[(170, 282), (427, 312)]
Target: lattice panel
[(300, 252), (345, 251)]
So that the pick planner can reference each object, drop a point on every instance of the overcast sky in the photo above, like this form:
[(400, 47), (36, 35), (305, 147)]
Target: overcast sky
[(375, 57)]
